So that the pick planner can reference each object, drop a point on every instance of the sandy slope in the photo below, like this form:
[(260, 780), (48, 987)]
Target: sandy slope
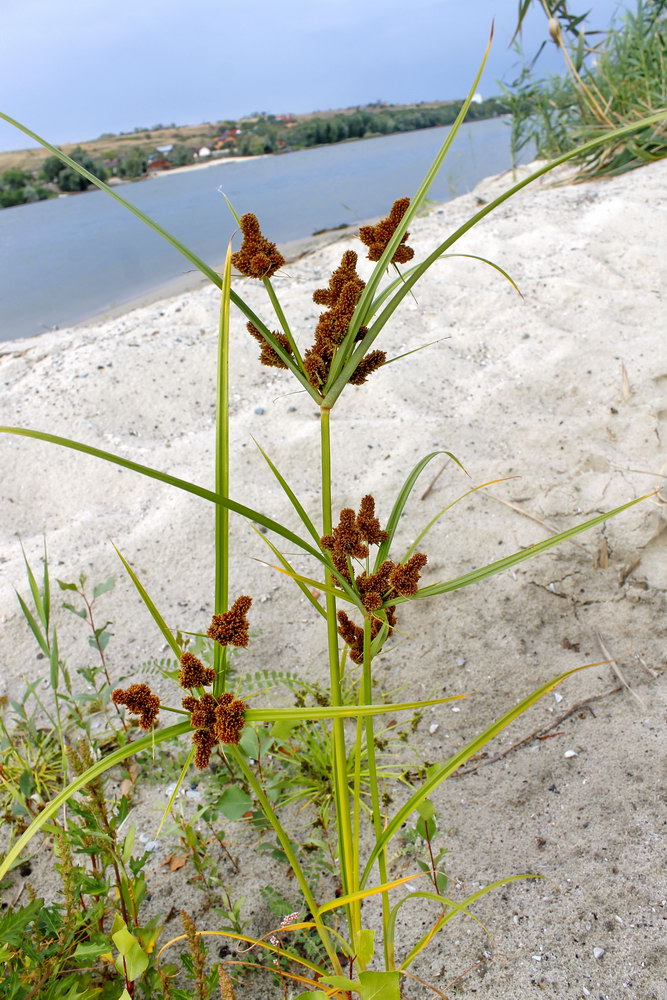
[(567, 392)]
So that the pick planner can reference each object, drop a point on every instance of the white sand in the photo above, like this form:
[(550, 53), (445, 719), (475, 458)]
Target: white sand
[(566, 391)]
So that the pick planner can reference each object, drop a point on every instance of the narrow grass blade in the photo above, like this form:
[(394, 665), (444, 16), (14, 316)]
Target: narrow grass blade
[(318, 584), (177, 787), (98, 769), (254, 942), (434, 520), (302, 587), (163, 477), (290, 494), (157, 617), (46, 591), (34, 590), (406, 354), (457, 908), (353, 897), (485, 260), (344, 711), (402, 499), (432, 896), (33, 626), (362, 309), (221, 600), (443, 772), (337, 384), (532, 550)]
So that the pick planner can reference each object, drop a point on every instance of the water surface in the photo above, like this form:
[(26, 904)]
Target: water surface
[(68, 259)]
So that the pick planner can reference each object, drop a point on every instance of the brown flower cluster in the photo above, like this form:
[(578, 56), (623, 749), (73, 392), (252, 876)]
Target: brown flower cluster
[(139, 700), (193, 673), (353, 634), (268, 355), (231, 628), (377, 237), (216, 720), (353, 534), (350, 540), (341, 296), (258, 257)]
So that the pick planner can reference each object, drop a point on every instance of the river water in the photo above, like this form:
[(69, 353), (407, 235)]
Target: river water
[(68, 259)]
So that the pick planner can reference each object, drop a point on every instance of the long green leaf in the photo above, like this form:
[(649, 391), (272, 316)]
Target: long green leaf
[(443, 772), (288, 566), (42, 641), (532, 550), (402, 499), (221, 599), (155, 614), (34, 590), (163, 477), (342, 711), (290, 494), (422, 534), (176, 789), (97, 769), (366, 299), (338, 384)]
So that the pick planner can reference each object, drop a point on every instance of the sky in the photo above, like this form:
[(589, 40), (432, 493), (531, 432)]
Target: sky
[(73, 69)]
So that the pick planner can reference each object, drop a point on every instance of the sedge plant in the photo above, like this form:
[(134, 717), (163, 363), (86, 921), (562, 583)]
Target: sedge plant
[(363, 580)]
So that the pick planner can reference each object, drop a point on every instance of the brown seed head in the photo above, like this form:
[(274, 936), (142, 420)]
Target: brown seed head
[(139, 700), (229, 719), (193, 672), (231, 628), (347, 540), (368, 524), (405, 578), (202, 711), (377, 237), (353, 635), (368, 364), (258, 257), (204, 741), (373, 587), (268, 355)]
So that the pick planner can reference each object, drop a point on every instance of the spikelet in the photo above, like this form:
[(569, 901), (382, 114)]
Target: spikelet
[(258, 257), (405, 578), (193, 672), (139, 700), (377, 237), (231, 628), (268, 355)]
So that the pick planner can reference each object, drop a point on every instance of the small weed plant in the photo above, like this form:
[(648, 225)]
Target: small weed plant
[(330, 752)]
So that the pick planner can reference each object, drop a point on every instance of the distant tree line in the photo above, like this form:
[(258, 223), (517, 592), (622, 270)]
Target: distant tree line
[(269, 135), (260, 135), (18, 187)]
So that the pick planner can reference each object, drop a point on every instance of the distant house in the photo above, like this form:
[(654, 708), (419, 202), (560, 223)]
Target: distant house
[(165, 149), (203, 153), (158, 163)]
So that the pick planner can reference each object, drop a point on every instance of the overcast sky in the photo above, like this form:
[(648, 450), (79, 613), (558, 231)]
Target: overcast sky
[(72, 69)]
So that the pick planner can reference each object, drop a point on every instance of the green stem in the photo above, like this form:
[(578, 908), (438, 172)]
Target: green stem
[(367, 683), (286, 845), (341, 791), (282, 319), (222, 474)]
